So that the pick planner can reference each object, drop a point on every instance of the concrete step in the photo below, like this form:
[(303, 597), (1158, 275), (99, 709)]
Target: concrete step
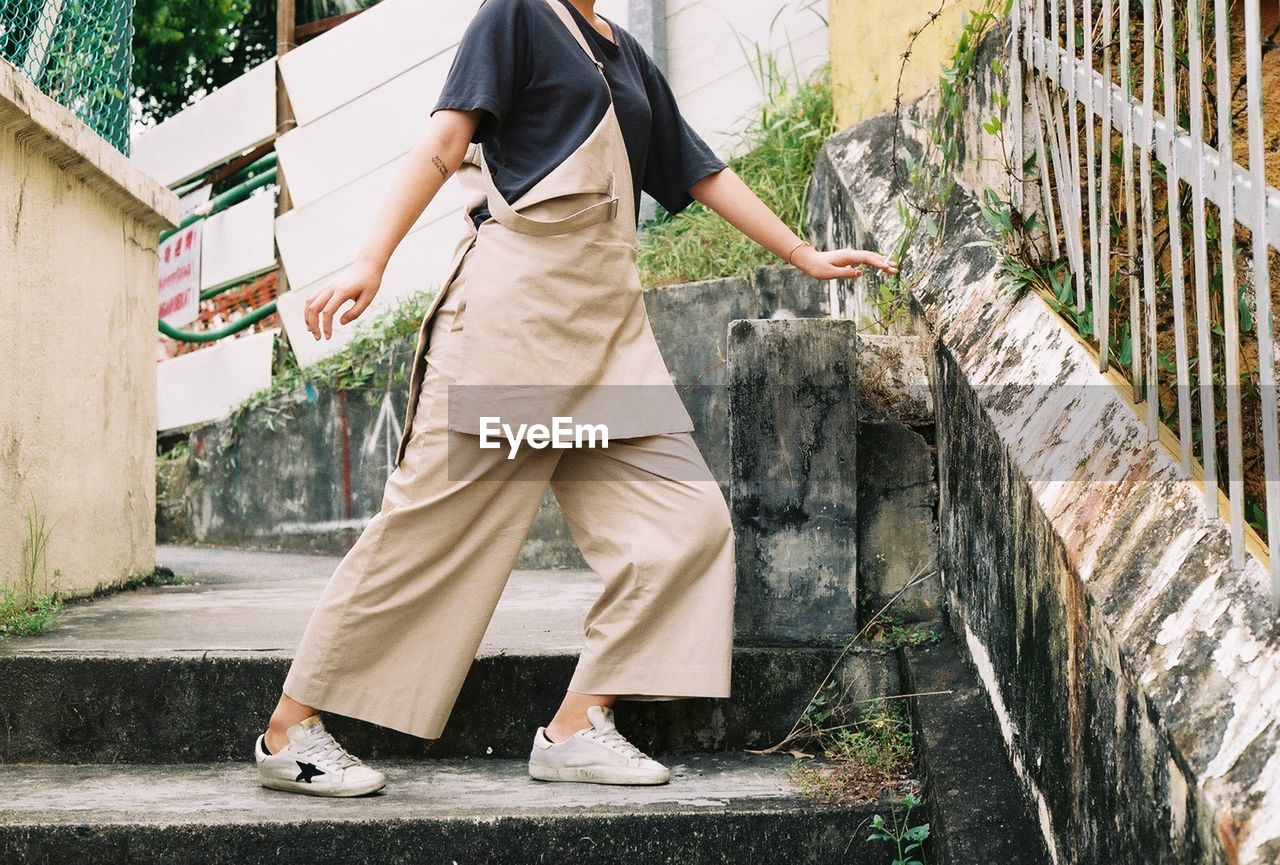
[(717, 809), (981, 811), (188, 673)]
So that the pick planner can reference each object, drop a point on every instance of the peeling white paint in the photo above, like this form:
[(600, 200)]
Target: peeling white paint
[(1177, 801), (1166, 568), (1264, 823), (1206, 603), (987, 675), (1254, 678)]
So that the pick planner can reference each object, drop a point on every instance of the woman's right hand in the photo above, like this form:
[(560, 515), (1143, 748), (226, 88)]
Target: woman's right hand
[(357, 283)]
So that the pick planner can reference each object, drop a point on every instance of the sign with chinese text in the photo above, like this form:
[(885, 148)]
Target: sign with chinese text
[(180, 276)]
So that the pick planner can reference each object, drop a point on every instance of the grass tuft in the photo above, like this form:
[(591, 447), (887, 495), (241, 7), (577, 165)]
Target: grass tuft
[(781, 140), (866, 758), (26, 616), (25, 610)]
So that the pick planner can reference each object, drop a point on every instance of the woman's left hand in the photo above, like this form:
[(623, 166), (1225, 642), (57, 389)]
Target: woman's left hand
[(841, 263)]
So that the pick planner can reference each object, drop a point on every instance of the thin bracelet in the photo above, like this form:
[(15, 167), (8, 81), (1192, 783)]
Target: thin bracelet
[(794, 248)]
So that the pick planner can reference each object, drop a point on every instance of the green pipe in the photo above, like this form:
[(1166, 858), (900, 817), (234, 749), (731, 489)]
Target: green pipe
[(214, 292), (267, 161), (236, 326), (232, 196), (243, 174), (189, 185)]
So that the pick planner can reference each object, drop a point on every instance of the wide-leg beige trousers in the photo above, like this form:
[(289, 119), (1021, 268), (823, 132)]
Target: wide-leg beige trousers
[(399, 623)]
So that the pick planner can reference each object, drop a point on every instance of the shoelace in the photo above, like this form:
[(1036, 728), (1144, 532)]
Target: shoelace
[(611, 738), (325, 751)]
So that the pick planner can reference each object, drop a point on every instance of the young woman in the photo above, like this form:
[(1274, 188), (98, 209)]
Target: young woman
[(554, 118)]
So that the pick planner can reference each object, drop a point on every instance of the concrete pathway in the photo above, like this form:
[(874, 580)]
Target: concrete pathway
[(128, 727), (240, 600)]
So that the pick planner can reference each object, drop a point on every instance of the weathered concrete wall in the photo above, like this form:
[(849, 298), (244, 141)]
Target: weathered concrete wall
[(897, 479), (832, 441), (78, 290), (1135, 673), (793, 423)]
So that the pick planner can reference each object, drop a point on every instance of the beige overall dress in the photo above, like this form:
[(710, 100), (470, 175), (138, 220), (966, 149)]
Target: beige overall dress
[(541, 314)]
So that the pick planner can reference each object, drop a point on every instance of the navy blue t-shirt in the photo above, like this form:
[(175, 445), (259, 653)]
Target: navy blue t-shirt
[(543, 96)]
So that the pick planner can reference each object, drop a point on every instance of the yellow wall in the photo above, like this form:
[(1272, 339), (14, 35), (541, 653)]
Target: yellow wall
[(867, 41), (77, 345)]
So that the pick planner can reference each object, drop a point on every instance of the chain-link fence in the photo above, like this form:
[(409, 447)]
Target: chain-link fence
[(76, 51)]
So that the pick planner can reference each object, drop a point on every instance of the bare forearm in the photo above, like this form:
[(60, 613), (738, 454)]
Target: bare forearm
[(430, 162), (436, 155), (726, 194)]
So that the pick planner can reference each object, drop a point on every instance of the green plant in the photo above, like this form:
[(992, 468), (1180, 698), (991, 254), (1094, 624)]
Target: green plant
[(185, 49), (378, 356), (895, 635), (867, 743), (907, 839), (930, 177), (24, 609), (831, 698), (176, 454), (780, 144), (868, 750), (897, 625)]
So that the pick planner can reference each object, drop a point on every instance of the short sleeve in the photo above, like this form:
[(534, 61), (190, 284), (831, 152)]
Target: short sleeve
[(491, 64), (678, 157)]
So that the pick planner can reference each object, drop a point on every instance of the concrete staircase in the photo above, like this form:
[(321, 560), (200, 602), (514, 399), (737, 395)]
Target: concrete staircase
[(128, 732)]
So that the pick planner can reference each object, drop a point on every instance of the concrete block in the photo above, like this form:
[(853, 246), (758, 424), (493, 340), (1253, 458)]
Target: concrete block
[(690, 322), (893, 384), (897, 522), (793, 423)]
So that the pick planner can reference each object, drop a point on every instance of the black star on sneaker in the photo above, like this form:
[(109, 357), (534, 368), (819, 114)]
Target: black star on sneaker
[(307, 772)]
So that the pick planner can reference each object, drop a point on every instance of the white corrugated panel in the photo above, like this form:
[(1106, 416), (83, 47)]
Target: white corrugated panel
[(227, 122), (323, 236), (419, 263), (239, 242), (711, 62), (360, 54), (362, 135), (378, 44), (718, 108), (205, 385)]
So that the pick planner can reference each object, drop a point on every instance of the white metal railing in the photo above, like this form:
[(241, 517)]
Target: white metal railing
[(1107, 87)]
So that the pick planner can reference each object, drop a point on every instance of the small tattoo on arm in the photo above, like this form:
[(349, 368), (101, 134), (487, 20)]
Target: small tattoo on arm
[(439, 164)]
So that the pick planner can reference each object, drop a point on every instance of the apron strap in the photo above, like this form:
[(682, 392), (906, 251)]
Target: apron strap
[(601, 211), (506, 215)]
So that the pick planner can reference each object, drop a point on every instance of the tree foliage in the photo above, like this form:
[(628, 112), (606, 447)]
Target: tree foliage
[(183, 49)]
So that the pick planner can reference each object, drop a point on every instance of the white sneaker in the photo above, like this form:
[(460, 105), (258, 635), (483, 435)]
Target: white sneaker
[(598, 754), (314, 763)]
